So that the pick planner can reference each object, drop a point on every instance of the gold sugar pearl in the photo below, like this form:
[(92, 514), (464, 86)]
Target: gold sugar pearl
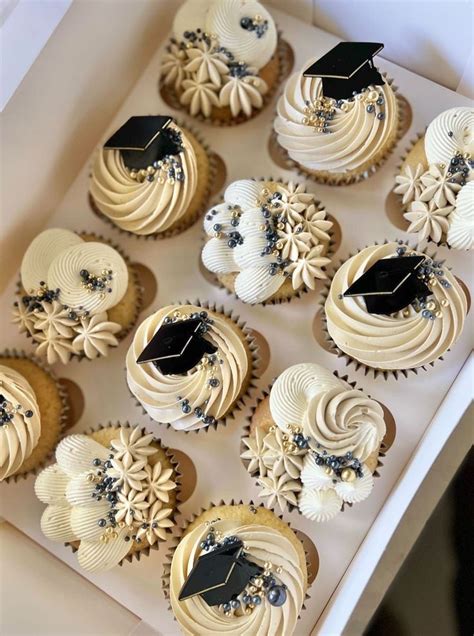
[(113, 535), (348, 475), (406, 313), (438, 314), (445, 302), (176, 314), (328, 470), (267, 565), (430, 305)]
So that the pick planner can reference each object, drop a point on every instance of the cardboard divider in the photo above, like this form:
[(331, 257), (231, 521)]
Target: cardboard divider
[(188, 473), (394, 211), (263, 352), (312, 556), (319, 332), (148, 282), (76, 401)]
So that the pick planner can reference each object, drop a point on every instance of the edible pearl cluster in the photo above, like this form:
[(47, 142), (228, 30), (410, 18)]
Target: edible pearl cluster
[(345, 467), (8, 411), (93, 282), (166, 170), (257, 24)]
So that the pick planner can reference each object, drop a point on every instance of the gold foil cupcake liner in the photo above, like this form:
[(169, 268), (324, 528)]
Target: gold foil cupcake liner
[(335, 234), (385, 445), (64, 416), (312, 559), (250, 383), (216, 167), (133, 279), (286, 58), (136, 553), (281, 157)]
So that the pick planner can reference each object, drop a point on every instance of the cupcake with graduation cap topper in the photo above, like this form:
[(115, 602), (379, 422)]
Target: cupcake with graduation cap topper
[(78, 296), (268, 241), (190, 365), (339, 117), (222, 62), (391, 308), (112, 495), (152, 177), (435, 182), (33, 413), (313, 443), (237, 569)]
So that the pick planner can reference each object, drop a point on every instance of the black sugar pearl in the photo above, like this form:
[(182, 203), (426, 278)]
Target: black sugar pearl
[(29, 413), (96, 462), (102, 523)]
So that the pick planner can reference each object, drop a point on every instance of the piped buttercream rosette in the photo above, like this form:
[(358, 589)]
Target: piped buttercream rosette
[(319, 447), (68, 287)]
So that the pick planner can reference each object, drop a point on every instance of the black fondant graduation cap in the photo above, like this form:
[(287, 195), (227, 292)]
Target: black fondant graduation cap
[(391, 284), (143, 140), (177, 346), (220, 575), (346, 68)]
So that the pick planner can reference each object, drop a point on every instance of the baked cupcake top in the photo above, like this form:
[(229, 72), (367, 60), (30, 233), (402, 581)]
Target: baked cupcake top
[(20, 422), (68, 287), (422, 330), (150, 199), (113, 491), (273, 576), (324, 134), (268, 234), (314, 443), (217, 50), (437, 186), (212, 366)]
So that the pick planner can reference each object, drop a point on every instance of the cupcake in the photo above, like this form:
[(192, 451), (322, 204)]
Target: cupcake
[(112, 495), (338, 130), (237, 569), (268, 241), (77, 296), (157, 189), (189, 367), (33, 409), (222, 62), (392, 308), (326, 457), (435, 181)]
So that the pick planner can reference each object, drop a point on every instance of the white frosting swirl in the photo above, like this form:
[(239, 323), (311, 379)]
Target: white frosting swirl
[(20, 436), (143, 207), (64, 274), (356, 136), (461, 221), (158, 393), (450, 132), (264, 544), (222, 18), (334, 416), (400, 341)]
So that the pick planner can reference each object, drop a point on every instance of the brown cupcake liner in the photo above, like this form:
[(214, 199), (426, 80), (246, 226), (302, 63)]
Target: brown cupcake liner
[(385, 445), (251, 382), (214, 162), (166, 574), (137, 553), (123, 333), (372, 371), (285, 55), (281, 157), (65, 401), (334, 244)]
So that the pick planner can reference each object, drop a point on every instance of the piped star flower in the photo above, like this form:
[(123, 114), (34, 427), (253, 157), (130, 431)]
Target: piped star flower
[(206, 63), (128, 474), (158, 483), (294, 243), (316, 224), (54, 319), (173, 64), (157, 523), (132, 445), (279, 490), (308, 268), (280, 458), (131, 507), (23, 318), (437, 186), (53, 347), (199, 97), (293, 202), (256, 452), (428, 220), (95, 335), (242, 94), (409, 183)]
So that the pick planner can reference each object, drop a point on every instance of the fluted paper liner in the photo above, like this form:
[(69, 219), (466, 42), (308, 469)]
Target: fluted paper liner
[(385, 444), (254, 365), (332, 347), (64, 415), (282, 295), (217, 175), (312, 556), (280, 156), (284, 56), (145, 548)]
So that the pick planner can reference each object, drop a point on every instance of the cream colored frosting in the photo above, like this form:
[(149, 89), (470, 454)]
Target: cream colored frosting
[(264, 544), (20, 436), (450, 132), (334, 416), (303, 238), (74, 514), (461, 228), (401, 341), (222, 19), (143, 207), (356, 136), (158, 393)]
